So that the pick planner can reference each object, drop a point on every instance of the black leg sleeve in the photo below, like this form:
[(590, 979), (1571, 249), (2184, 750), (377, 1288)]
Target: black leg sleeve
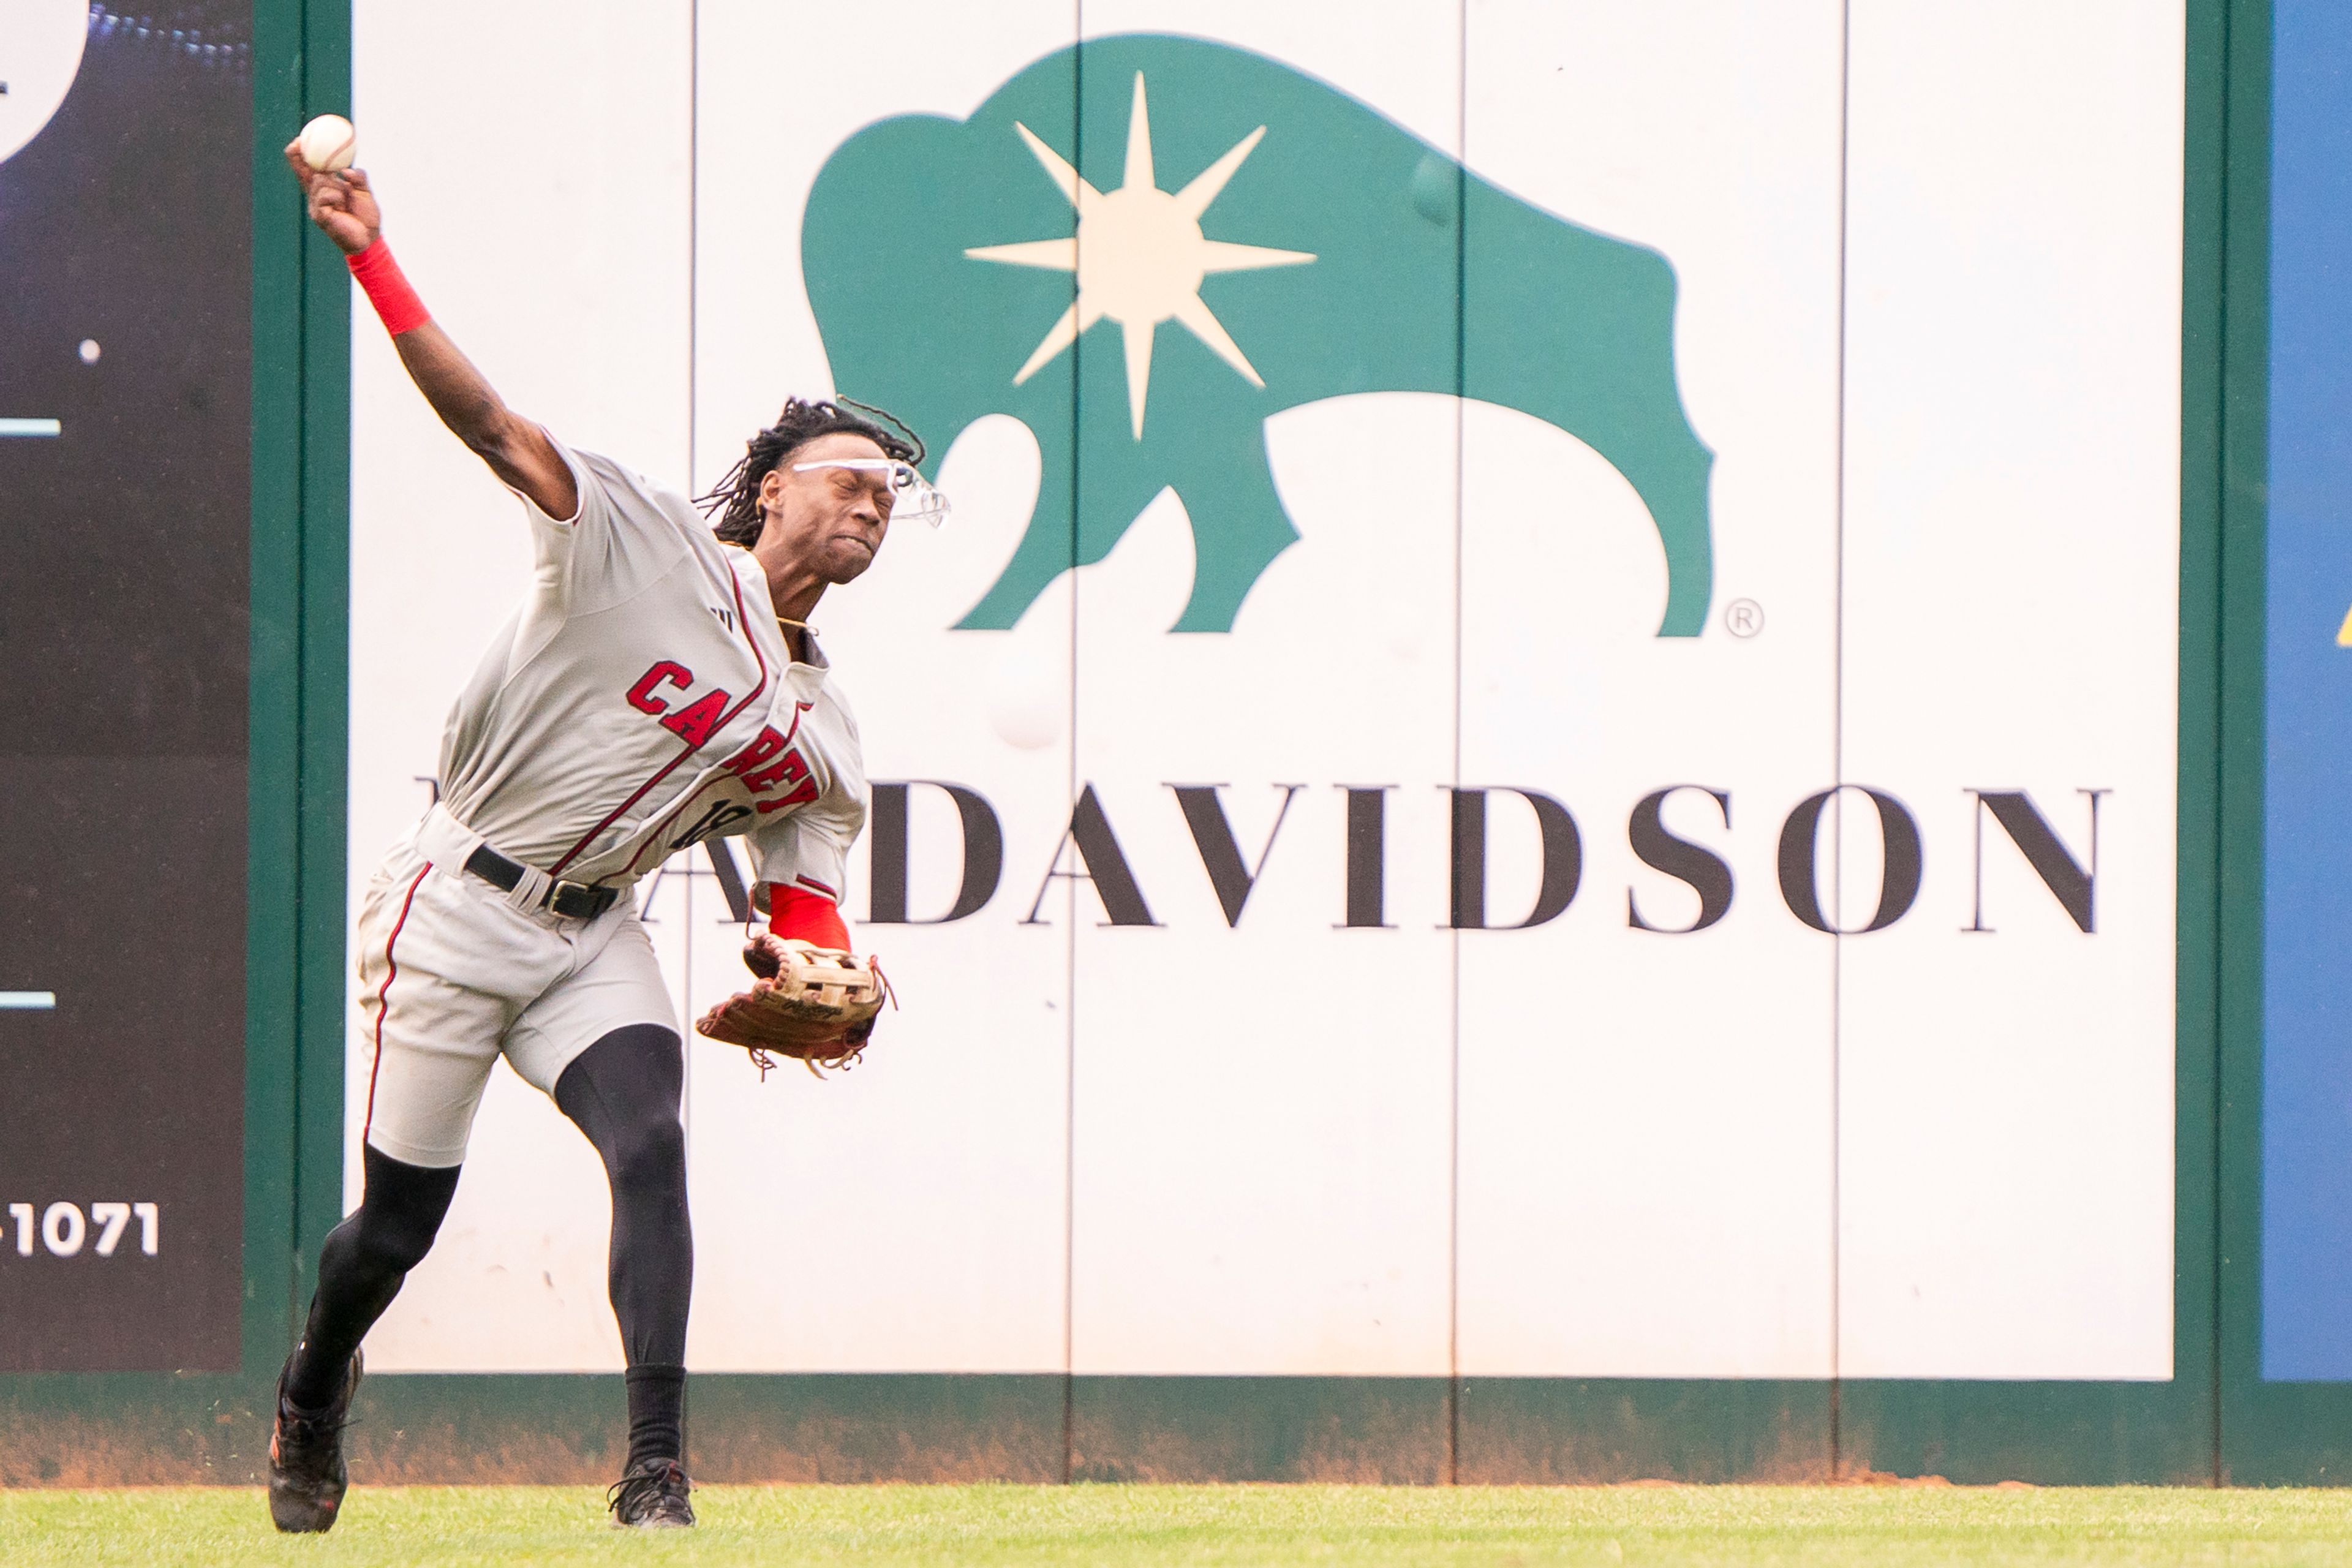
[(361, 1268), (623, 1092)]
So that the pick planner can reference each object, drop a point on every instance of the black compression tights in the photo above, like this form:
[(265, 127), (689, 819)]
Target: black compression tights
[(623, 1092)]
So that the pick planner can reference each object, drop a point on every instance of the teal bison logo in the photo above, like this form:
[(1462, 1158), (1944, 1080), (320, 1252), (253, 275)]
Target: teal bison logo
[(1259, 240)]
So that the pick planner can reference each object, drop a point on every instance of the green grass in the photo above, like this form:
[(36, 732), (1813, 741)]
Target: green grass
[(1118, 1525)]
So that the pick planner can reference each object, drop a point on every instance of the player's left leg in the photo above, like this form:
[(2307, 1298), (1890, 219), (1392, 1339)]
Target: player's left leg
[(604, 1045), (623, 1092)]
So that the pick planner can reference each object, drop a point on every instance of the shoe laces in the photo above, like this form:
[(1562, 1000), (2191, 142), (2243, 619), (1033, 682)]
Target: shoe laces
[(307, 1431), (648, 1489)]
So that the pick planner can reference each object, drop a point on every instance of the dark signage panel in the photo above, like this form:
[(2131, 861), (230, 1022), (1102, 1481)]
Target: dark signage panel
[(125, 331)]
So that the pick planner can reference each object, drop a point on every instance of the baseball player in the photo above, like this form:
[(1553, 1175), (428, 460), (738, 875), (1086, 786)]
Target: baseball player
[(658, 685)]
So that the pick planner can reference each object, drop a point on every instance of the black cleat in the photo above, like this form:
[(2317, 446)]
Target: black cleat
[(306, 1460), (652, 1497)]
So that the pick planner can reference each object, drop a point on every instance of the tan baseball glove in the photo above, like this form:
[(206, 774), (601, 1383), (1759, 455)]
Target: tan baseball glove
[(817, 1003)]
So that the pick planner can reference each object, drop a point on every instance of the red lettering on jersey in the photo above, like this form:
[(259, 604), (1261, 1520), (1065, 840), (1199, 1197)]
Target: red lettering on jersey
[(766, 744), (790, 766), (694, 721), (641, 695)]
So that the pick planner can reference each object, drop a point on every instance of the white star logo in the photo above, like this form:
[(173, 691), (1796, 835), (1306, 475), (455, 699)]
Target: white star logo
[(1139, 257)]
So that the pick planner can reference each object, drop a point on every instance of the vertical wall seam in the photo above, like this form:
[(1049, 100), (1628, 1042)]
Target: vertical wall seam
[(693, 446), (316, 75), (297, 981), (2220, 199), (693, 235), (693, 443), (1453, 937), (1070, 792), (1837, 777)]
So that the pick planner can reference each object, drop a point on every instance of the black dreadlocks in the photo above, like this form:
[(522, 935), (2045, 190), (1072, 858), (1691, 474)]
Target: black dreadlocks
[(736, 498)]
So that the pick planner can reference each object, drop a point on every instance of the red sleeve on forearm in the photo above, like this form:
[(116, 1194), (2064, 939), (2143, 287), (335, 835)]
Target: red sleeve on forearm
[(387, 289), (797, 916)]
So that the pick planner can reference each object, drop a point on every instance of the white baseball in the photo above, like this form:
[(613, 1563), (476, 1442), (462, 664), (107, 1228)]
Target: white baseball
[(328, 143)]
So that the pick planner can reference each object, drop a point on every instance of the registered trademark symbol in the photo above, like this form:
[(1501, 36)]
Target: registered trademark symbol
[(1743, 617)]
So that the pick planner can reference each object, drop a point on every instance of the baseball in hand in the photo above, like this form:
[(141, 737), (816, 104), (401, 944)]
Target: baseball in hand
[(328, 142)]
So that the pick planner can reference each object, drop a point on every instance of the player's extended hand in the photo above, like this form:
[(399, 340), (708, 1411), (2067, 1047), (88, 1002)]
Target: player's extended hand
[(340, 203)]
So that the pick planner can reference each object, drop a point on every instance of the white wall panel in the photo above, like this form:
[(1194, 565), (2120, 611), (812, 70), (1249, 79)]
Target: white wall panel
[(909, 1215), (2011, 605), (563, 271), (1645, 1122), (1265, 1189)]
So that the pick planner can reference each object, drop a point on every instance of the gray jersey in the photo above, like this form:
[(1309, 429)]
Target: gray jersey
[(643, 698)]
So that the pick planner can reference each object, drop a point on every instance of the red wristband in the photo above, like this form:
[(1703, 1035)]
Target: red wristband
[(380, 276), (806, 917)]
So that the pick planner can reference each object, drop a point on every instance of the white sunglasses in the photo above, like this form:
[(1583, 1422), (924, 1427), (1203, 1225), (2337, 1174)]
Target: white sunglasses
[(912, 495)]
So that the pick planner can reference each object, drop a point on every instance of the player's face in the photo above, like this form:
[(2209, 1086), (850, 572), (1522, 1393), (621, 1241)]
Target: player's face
[(833, 519)]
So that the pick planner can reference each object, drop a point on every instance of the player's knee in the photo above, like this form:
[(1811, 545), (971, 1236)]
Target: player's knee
[(399, 1214), (374, 1245), (396, 1243), (649, 1153)]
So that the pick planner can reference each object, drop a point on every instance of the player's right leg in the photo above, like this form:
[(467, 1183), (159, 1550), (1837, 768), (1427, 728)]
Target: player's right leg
[(445, 965), (361, 1268)]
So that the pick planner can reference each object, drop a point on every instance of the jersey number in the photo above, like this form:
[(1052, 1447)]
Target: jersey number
[(721, 815)]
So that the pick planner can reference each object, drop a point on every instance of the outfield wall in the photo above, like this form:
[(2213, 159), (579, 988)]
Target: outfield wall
[(1393, 986), (1129, 1127)]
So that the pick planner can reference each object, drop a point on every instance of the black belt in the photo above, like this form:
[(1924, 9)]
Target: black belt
[(573, 900)]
